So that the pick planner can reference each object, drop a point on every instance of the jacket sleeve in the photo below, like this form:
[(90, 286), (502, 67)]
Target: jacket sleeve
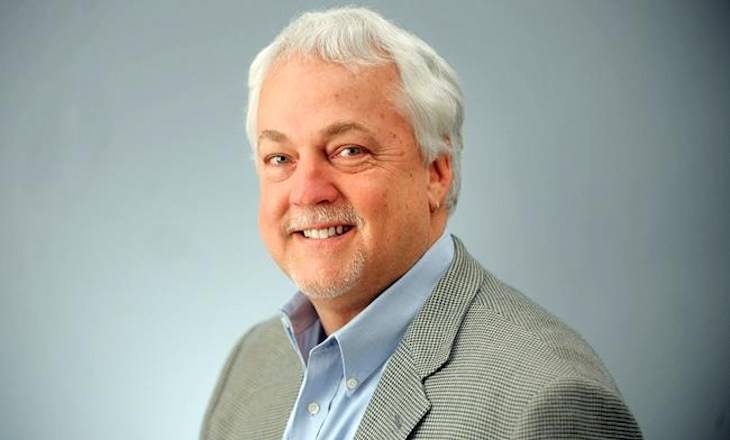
[(576, 408)]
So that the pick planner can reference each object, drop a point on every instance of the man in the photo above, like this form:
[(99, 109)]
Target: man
[(396, 332)]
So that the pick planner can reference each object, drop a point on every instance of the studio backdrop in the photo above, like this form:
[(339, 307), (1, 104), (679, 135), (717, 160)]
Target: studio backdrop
[(595, 180)]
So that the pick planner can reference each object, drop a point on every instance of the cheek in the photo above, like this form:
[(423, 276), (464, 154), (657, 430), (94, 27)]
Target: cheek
[(409, 193), (368, 196), (272, 196), (389, 201), (272, 207)]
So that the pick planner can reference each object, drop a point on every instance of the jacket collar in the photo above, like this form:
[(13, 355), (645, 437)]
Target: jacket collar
[(431, 334), (400, 401)]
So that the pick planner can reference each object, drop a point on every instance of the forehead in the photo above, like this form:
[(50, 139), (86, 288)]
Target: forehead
[(310, 70), (303, 92)]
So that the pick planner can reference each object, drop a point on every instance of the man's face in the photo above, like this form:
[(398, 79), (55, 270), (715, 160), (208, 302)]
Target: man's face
[(344, 191)]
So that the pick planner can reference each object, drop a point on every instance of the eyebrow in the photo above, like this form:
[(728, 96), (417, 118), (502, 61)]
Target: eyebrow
[(343, 127), (273, 135)]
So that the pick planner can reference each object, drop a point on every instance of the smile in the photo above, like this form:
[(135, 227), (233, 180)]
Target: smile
[(324, 233)]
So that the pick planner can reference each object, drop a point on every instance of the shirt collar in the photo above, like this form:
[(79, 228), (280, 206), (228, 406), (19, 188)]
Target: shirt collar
[(371, 337), (302, 325)]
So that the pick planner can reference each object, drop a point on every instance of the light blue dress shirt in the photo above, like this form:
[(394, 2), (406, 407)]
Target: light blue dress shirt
[(342, 371)]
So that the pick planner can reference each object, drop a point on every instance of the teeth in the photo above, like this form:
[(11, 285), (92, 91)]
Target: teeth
[(321, 234)]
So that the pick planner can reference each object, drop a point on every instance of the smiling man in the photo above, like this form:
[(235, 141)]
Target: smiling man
[(395, 332)]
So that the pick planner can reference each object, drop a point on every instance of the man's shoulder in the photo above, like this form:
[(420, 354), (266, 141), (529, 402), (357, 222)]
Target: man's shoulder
[(495, 326), (261, 368), (264, 344), (268, 332), (515, 370), (527, 338), (509, 330)]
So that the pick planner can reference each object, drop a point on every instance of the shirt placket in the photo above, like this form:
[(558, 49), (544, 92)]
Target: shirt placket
[(323, 375)]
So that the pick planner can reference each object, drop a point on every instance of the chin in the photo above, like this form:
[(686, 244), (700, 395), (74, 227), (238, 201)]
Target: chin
[(331, 285), (317, 291)]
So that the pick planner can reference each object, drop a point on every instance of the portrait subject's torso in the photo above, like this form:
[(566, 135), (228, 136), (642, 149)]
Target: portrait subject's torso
[(479, 360)]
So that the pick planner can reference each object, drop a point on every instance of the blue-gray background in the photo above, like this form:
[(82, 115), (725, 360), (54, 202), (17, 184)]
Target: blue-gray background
[(596, 178)]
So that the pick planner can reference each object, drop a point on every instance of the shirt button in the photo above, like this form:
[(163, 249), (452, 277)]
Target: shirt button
[(313, 408), (351, 383)]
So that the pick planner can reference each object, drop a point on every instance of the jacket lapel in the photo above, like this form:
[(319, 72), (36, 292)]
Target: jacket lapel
[(400, 401)]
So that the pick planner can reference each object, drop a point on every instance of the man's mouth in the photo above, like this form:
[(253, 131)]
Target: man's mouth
[(324, 233)]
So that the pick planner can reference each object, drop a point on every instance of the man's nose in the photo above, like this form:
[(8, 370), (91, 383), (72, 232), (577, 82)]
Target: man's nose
[(312, 183)]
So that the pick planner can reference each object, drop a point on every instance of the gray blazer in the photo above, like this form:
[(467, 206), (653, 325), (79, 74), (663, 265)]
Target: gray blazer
[(479, 361)]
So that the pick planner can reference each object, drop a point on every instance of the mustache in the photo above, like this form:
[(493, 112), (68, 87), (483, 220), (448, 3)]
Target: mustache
[(305, 218)]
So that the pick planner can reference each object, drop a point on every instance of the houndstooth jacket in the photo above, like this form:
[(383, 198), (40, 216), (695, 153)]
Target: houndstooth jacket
[(479, 361)]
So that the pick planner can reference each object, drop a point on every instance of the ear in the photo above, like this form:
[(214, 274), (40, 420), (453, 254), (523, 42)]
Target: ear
[(440, 175)]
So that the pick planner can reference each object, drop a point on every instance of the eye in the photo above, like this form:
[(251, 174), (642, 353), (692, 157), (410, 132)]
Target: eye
[(277, 159), (350, 151)]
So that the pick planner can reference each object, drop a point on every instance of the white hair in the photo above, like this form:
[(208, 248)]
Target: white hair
[(431, 97)]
